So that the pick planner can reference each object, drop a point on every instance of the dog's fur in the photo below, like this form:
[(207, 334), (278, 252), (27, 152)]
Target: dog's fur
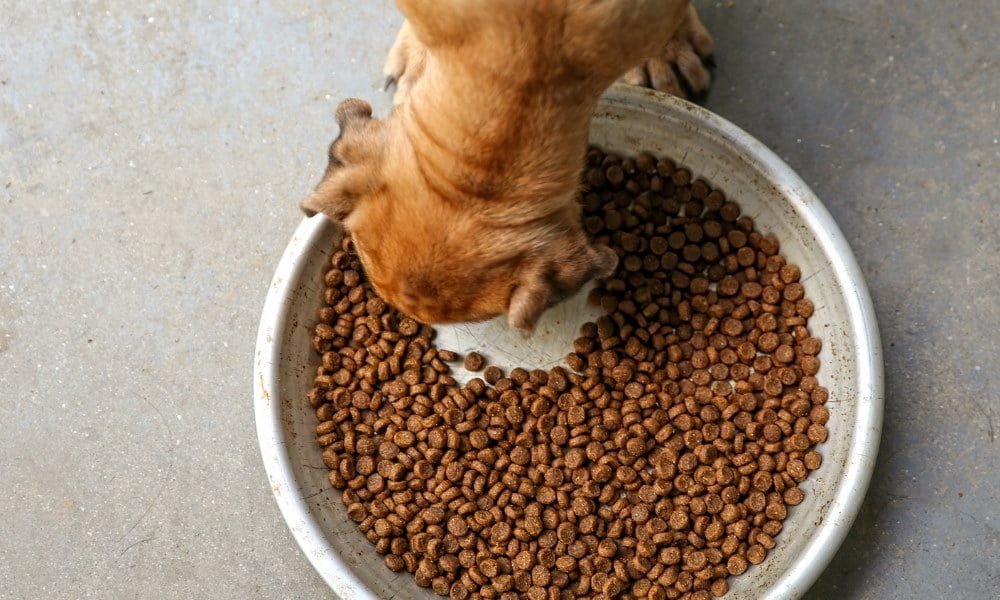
[(462, 204)]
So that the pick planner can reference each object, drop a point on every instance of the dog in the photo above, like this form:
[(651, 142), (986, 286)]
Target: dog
[(462, 204)]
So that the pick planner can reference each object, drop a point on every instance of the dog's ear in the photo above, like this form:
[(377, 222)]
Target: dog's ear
[(552, 282), (352, 169)]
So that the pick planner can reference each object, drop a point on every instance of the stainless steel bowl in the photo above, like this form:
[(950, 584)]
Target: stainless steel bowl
[(628, 120)]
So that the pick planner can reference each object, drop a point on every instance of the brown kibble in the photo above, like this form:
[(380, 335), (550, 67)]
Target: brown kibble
[(678, 520), (756, 554), (474, 361), (809, 365), (357, 512), (681, 177), (796, 469), (737, 565), (458, 591), (696, 561), (816, 433), (404, 439), (768, 342), (819, 414), (395, 563), (700, 189), (768, 245), (408, 327), (810, 346), (566, 564), (614, 586), (614, 175), (732, 327), (790, 273), (799, 442), (457, 526), (793, 496), (793, 292), (622, 373), (762, 481), (492, 374), (812, 460), (784, 353), (776, 511), (524, 561)]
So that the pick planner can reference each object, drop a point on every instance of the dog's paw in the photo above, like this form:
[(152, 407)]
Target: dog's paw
[(680, 68), (405, 62)]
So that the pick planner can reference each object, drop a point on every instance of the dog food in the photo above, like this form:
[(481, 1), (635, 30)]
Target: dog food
[(658, 463), (474, 361)]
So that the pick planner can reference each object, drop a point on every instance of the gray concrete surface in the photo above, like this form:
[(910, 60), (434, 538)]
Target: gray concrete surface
[(151, 160)]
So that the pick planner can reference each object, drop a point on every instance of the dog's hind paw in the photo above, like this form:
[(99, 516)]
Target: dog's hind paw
[(681, 66)]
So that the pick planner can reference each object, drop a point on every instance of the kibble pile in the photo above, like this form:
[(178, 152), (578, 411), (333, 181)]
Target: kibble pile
[(658, 463)]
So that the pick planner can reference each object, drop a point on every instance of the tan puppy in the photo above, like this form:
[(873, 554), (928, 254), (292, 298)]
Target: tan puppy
[(462, 204)]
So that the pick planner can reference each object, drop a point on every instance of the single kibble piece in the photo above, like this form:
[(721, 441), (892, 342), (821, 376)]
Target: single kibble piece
[(492, 374), (474, 361)]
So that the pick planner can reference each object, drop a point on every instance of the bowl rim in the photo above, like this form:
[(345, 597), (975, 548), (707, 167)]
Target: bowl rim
[(865, 430)]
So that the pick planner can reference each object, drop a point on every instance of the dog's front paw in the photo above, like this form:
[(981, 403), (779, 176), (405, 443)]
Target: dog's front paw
[(680, 68), (405, 62)]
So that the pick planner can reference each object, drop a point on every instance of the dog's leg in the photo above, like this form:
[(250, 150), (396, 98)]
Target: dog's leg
[(681, 62), (405, 62), (430, 24)]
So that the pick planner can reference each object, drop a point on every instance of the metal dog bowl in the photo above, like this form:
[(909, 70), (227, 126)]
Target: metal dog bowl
[(628, 120)]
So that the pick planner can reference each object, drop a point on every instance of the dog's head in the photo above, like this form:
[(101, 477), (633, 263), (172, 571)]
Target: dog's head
[(444, 259)]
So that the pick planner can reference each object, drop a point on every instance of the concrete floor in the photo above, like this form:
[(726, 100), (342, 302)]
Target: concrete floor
[(151, 162)]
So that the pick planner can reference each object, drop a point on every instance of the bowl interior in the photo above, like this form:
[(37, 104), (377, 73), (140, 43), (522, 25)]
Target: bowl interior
[(627, 122)]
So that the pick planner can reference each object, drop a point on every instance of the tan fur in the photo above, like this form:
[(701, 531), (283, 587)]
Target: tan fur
[(462, 203)]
